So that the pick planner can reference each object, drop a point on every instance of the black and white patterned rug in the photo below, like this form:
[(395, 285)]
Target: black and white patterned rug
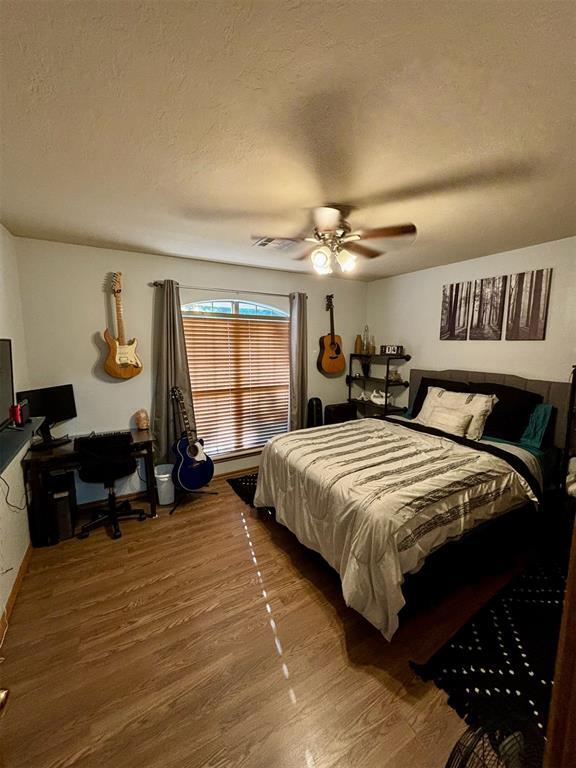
[(245, 487), (498, 668)]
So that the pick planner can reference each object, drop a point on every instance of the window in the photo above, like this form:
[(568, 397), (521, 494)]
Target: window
[(229, 307), (238, 355)]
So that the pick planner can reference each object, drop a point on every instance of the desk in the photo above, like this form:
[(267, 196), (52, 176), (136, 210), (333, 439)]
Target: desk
[(38, 465), (12, 440)]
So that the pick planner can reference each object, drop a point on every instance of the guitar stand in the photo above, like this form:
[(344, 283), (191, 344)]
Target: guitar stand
[(184, 496)]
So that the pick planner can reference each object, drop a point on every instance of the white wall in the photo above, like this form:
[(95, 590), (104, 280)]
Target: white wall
[(11, 318), (406, 310), (66, 311), (14, 537)]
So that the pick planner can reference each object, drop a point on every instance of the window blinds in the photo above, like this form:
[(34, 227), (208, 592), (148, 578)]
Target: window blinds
[(240, 373)]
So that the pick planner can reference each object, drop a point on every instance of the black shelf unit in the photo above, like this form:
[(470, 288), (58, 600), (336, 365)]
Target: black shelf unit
[(367, 407)]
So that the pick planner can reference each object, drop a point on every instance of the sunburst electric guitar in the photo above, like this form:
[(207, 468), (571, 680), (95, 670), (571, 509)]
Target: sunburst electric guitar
[(122, 361), (331, 360), (193, 468)]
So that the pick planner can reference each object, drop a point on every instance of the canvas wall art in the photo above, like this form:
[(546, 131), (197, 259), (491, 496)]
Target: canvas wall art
[(455, 311), (488, 298), (528, 297)]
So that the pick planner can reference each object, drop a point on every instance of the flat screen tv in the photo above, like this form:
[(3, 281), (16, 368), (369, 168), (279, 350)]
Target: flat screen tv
[(6, 381)]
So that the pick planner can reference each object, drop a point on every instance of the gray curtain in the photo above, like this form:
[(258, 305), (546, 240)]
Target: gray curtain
[(171, 369), (298, 360)]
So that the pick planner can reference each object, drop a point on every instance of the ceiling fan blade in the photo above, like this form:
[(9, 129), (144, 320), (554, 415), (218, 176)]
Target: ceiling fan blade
[(323, 125), (304, 254), (493, 174), (198, 213), (363, 250), (397, 230)]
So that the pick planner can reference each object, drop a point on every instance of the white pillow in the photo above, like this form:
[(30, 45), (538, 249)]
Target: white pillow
[(478, 406), (450, 420)]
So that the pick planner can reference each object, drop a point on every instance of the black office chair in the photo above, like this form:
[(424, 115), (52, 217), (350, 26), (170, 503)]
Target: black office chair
[(105, 459)]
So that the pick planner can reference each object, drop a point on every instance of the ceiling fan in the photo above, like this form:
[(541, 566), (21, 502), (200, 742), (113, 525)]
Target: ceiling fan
[(335, 242)]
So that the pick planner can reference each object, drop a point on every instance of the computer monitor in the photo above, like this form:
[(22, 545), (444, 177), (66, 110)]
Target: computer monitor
[(6, 381), (56, 404)]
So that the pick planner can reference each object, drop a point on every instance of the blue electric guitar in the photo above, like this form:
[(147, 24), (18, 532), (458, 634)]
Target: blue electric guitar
[(193, 468)]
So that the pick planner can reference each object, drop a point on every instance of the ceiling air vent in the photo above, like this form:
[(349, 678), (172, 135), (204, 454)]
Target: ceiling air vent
[(275, 243)]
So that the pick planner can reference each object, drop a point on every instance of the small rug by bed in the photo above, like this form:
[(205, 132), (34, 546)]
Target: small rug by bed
[(498, 669), (245, 487)]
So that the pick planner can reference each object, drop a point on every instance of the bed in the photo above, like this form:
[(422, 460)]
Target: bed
[(376, 497)]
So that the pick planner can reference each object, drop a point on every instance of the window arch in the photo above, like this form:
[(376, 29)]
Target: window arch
[(232, 307)]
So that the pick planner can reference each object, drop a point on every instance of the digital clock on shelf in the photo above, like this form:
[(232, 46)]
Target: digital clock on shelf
[(391, 349)]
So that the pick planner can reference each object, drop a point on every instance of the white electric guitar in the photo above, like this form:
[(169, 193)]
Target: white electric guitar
[(122, 361)]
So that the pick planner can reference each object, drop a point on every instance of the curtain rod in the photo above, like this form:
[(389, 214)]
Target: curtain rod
[(222, 290)]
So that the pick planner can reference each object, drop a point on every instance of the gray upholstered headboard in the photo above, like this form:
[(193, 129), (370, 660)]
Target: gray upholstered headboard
[(554, 392)]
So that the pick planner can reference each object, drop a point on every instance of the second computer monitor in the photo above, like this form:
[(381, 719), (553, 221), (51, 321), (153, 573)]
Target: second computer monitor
[(56, 404)]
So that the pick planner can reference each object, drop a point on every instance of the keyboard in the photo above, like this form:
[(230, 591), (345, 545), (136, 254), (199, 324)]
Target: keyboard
[(119, 433), (101, 440)]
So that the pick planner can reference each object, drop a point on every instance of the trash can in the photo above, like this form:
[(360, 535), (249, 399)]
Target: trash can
[(164, 484)]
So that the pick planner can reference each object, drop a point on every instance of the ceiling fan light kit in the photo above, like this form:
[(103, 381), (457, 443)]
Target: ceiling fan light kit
[(346, 260), (322, 260), (332, 232)]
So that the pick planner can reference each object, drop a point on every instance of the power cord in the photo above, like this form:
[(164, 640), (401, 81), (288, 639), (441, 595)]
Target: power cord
[(138, 472), (8, 502)]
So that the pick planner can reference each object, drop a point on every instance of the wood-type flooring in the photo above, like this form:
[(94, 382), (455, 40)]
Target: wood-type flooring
[(213, 639)]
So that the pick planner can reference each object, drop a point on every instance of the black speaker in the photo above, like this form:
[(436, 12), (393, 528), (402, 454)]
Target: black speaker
[(314, 414)]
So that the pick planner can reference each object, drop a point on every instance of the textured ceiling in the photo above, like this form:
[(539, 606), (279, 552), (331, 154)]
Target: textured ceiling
[(186, 127)]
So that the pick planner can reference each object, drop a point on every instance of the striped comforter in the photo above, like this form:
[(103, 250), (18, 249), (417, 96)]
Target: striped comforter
[(375, 498)]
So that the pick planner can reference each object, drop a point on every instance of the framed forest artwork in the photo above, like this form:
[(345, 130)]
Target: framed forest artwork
[(528, 297), (455, 311), (488, 298)]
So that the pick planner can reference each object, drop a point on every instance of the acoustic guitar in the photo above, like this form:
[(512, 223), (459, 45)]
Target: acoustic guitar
[(193, 468), (331, 360), (122, 361)]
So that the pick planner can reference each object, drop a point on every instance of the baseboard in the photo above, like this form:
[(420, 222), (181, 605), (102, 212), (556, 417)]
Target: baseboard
[(236, 473), (5, 618)]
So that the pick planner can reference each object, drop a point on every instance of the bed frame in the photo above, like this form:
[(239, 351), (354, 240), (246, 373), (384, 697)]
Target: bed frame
[(495, 545), (555, 393)]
